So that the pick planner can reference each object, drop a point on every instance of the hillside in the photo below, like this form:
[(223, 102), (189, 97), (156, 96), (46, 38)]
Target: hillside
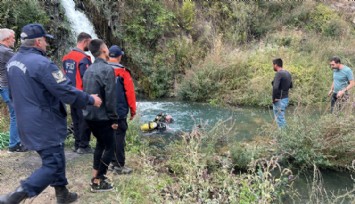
[(212, 51), (221, 52)]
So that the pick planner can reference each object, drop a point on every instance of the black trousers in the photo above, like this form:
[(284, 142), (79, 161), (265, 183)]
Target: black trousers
[(120, 143), (337, 103), (103, 153), (81, 130)]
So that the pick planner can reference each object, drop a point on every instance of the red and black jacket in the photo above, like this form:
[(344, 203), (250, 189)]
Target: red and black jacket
[(75, 64), (126, 97)]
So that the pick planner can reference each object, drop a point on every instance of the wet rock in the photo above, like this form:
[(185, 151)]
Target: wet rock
[(60, 28), (104, 24)]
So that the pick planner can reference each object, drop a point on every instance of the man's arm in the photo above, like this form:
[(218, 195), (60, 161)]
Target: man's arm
[(83, 65), (275, 86), (350, 77), (331, 89), (58, 85), (130, 94), (342, 92), (7, 58)]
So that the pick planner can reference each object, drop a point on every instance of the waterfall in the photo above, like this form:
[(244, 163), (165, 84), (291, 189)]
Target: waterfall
[(78, 20)]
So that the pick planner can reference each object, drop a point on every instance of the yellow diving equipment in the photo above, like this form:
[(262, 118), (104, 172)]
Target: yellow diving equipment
[(149, 126)]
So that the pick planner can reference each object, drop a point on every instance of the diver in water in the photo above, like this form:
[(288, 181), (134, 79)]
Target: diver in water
[(159, 124)]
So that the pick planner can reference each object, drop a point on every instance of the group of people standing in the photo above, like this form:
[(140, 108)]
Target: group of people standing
[(100, 94), (343, 81)]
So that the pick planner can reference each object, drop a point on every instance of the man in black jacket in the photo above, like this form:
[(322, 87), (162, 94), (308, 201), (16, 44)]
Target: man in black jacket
[(100, 78), (280, 87)]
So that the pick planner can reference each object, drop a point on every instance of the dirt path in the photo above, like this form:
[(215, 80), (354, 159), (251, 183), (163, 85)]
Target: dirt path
[(15, 167)]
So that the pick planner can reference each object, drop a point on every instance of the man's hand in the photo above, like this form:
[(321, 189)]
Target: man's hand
[(340, 94), (97, 100), (132, 116), (276, 100), (330, 93), (114, 126)]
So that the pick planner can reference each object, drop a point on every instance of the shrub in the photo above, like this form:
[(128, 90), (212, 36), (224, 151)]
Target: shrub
[(203, 173), (327, 21), (15, 14), (4, 126), (186, 15), (324, 141), (4, 139)]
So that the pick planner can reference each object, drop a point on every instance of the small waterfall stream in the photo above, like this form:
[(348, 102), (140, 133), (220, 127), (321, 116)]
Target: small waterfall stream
[(78, 20)]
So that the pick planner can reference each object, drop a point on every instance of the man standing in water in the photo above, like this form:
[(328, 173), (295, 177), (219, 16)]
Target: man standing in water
[(7, 41), (280, 86), (75, 64), (343, 81), (39, 90)]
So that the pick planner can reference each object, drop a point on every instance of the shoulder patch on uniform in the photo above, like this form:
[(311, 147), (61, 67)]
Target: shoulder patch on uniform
[(58, 76)]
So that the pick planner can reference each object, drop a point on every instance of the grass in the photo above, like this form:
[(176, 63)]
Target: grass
[(326, 141), (319, 194), (4, 126), (191, 169), (243, 76), (198, 167)]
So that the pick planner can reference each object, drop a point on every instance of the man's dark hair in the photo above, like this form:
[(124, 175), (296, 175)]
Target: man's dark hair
[(335, 59), (95, 46), (277, 61), (83, 36)]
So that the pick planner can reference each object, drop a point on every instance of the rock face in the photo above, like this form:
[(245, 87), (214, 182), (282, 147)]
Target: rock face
[(60, 28)]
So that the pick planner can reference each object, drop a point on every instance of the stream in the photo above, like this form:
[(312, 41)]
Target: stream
[(245, 122)]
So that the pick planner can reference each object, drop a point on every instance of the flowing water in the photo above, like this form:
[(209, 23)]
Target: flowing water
[(188, 115), (246, 122), (79, 22)]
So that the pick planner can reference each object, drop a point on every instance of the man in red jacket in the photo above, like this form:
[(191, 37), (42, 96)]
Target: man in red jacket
[(75, 64), (126, 101)]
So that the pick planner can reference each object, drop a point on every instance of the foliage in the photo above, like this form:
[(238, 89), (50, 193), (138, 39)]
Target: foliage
[(326, 141), (243, 154), (324, 20), (195, 170), (222, 51), (15, 14), (319, 194), (4, 139), (4, 126), (186, 15), (148, 24), (243, 76), (134, 141)]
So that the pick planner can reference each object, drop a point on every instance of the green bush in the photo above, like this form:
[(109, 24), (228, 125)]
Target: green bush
[(134, 141), (325, 20), (4, 139), (186, 15), (243, 154), (197, 181), (327, 141), (15, 14), (221, 51), (4, 125), (147, 26)]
